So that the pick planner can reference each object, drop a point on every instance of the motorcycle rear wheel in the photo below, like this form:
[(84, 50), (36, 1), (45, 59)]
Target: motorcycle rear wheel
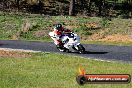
[(63, 49)]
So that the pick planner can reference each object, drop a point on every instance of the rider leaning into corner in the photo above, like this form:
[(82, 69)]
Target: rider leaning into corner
[(59, 30)]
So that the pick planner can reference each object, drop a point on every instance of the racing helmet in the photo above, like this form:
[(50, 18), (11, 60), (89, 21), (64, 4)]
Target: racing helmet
[(58, 26)]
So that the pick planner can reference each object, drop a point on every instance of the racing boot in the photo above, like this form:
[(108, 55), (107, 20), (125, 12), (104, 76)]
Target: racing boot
[(60, 46)]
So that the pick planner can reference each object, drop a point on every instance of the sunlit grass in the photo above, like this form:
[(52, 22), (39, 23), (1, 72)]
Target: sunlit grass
[(108, 43), (12, 24), (48, 70)]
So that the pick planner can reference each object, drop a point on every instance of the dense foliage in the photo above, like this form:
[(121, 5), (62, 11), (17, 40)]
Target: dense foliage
[(70, 7)]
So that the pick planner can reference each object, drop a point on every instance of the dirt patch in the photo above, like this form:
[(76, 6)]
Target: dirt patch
[(71, 27), (88, 25), (41, 33), (93, 25), (112, 38), (117, 37), (98, 35), (14, 54)]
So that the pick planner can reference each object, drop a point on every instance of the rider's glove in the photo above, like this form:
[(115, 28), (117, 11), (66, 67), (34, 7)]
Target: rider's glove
[(58, 37)]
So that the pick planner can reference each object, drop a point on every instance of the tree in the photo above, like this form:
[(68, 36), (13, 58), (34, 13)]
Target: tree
[(84, 6), (100, 6), (17, 3), (72, 8), (130, 6), (126, 8), (89, 6)]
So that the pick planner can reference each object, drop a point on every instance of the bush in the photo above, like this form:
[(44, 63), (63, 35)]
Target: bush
[(105, 22), (83, 30)]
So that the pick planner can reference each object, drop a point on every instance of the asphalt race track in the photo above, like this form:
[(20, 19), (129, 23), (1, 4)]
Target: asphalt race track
[(102, 52)]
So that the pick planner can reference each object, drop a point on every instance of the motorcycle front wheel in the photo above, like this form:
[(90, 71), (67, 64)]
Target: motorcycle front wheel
[(81, 49)]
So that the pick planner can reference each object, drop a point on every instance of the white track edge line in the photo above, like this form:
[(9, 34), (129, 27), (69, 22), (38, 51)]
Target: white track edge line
[(21, 50)]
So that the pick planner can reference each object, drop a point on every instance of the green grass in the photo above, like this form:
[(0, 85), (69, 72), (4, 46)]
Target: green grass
[(49, 70), (11, 24), (108, 43)]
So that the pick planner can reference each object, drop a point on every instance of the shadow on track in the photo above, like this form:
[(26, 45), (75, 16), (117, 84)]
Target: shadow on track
[(88, 52)]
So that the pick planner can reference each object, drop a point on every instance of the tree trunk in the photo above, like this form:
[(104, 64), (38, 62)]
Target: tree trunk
[(84, 6), (72, 7), (89, 7), (100, 7), (17, 3), (130, 11)]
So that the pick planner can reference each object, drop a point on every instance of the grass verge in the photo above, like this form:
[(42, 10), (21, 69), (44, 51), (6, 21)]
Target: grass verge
[(36, 27), (108, 43), (49, 70)]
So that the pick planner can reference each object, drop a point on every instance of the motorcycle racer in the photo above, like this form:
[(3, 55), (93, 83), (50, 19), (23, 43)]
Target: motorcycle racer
[(59, 30), (66, 42)]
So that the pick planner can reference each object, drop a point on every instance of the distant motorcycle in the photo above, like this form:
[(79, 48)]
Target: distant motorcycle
[(69, 40)]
